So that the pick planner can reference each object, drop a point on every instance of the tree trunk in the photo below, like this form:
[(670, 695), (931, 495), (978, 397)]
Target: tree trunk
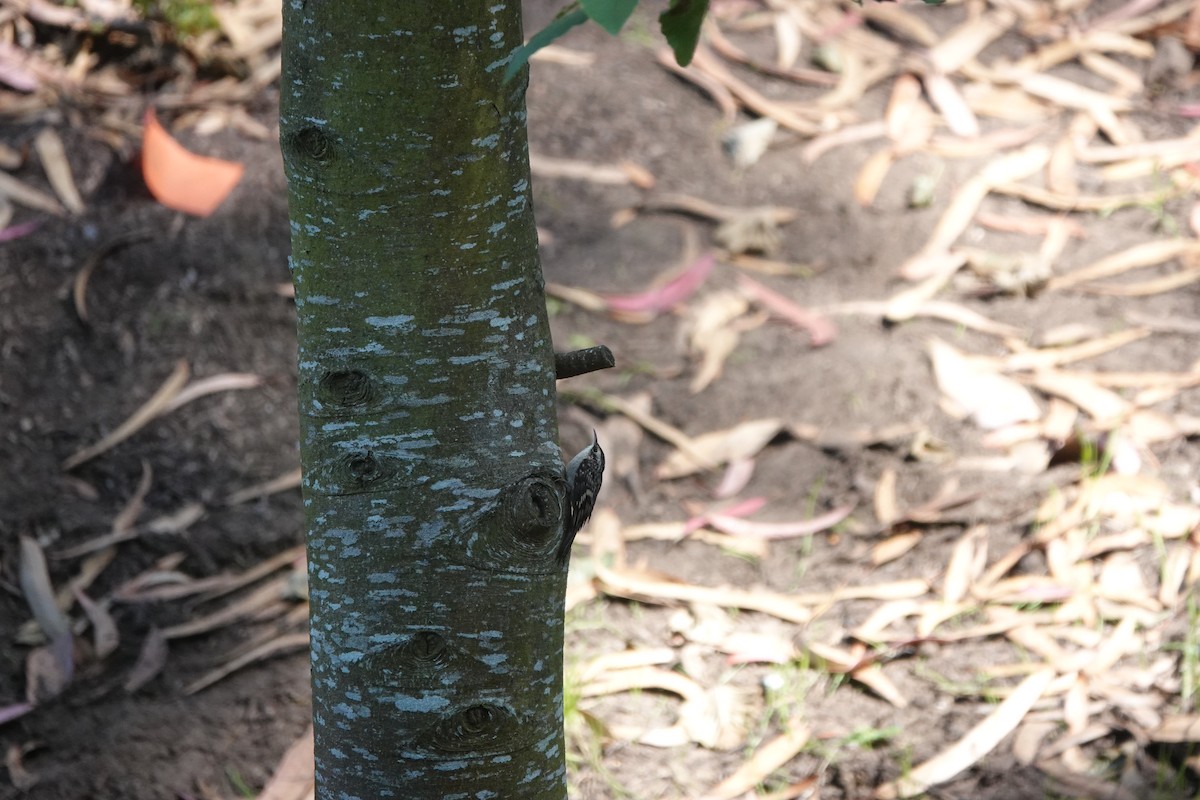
[(432, 479)]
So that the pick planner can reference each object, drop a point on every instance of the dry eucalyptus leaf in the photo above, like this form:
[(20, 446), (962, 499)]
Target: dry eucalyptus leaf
[(894, 547), (720, 447), (977, 743), (991, 400), (766, 759)]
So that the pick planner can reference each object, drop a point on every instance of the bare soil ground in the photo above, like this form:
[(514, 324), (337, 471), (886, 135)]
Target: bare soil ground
[(1094, 617)]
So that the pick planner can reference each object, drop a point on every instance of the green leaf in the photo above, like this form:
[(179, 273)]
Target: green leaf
[(681, 25), (609, 14), (545, 36)]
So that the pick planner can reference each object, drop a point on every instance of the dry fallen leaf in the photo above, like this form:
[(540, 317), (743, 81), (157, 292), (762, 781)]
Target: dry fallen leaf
[(821, 330), (285, 482), (147, 412), (1143, 255), (711, 333), (285, 643), (978, 742), (894, 547), (719, 447), (150, 662), (53, 155), (736, 526), (992, 400), (646, 305), (765, 760), (963, 207)]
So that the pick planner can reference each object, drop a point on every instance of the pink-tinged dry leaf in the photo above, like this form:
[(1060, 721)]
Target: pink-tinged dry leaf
[(14, 711), (182, 180), (720, 447), (293, 778), (14, 232), (766, 759), (735, 526), (991, 400), (150, 662), (977, 743), (820, 328), (743, 508), (736, 477), (147, 412), (646, 305)]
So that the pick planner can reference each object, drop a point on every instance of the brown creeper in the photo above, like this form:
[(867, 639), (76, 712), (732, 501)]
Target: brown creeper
[(585, 473)]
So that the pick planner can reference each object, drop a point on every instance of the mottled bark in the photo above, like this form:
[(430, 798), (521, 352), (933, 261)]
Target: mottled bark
[(432, 477)]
